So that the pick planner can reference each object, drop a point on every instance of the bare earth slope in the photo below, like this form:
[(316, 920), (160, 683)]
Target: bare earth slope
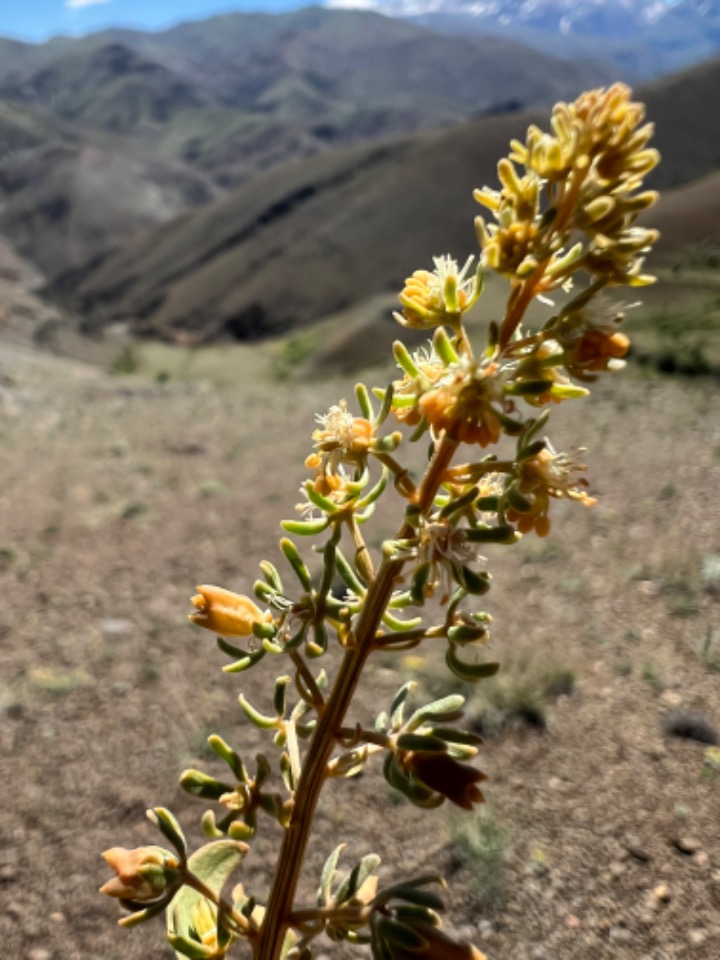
[(121, 495)]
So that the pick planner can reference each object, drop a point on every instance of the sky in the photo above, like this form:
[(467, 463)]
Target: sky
[(39, 19)]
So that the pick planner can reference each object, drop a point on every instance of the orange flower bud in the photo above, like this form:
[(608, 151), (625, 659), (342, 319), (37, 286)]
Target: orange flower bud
[(226, 613), (143, 874)]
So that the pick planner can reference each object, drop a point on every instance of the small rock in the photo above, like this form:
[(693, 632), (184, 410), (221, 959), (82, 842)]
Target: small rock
[(115, 627), (619, 934), (671, 698), (701, 858), (120, 688), (697, 937), (7, 873), (57, 917), (485, 928), (662, 893), (634, 846), (687, 845), (39, 953), (616, 869)]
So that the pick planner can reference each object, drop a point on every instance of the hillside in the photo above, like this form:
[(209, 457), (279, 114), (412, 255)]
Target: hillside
[(238, 93), (314, 237)]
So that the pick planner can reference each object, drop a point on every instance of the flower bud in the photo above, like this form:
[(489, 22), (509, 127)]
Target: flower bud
[(226, 613), (143, 874)]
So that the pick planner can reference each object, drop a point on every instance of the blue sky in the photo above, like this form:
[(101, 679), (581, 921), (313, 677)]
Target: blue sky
[(40, 19)]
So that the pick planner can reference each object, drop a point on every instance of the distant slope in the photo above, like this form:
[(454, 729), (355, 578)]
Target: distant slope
[(688, 217), (110, 87), (314, 237), (67, 204)]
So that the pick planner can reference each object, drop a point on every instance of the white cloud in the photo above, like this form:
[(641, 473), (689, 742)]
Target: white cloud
[(79, 4)]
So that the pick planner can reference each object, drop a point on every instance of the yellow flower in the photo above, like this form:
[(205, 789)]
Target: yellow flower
[(547, 474), (226, 613), (442, 296), (143, 874), (465, 403)]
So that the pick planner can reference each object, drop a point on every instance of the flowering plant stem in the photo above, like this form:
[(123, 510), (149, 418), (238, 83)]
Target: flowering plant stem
[(566, 213), (332, 714)]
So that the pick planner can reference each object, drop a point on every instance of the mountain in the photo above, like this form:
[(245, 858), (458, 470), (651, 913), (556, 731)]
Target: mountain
[(239, 92), (642, 37), (316, 236), (109, 87), (105, 135)]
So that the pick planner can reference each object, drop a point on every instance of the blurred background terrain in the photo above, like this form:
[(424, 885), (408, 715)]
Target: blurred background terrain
[(203, 229)]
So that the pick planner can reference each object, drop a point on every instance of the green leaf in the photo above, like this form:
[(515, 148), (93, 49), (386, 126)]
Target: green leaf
[(467, 633), (469, 672), (475, 583), (452, 735), (199, 784), (226, 753), (534, 428), (299, 566), (271, 574), (281, 685), (387, 400), (419, 582), (364, 402), (170, 828), (527, 388), (531, 450), (348, 574), (459, 503), (214, 865), (404, 360), (147, 913), (185, 947), (400, 625), (317, 499), (328, 876), (246, 659), (398, 704), (419, 430), (444, 348), (319, 644), (375, 492), (420, 743), (517, 500), (501, 534), (356, 878), (444, 710), (255, 717), (305, 528)]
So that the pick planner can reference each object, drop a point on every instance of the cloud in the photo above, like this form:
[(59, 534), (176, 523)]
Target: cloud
[(79, 4)]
